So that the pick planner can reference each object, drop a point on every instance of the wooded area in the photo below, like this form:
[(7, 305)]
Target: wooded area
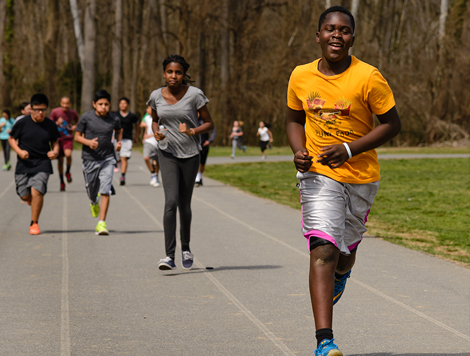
[(241, 54)]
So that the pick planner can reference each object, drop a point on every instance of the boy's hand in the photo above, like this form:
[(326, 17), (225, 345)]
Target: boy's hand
[(118, 146), (52, 155), (93, 143), (23, 154), (333, 156), (302, 160)]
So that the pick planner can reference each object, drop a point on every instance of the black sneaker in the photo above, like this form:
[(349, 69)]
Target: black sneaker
[(187, 260), (198, 183), (166, 264)]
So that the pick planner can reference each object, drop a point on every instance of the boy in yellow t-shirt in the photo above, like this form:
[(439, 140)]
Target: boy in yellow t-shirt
[(331, 131)]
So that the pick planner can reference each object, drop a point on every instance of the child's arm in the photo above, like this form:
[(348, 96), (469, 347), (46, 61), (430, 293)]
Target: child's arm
[(54, 153), (23, 154), (296, 135), (80, 138), (118, 136), (390, 125), (270, 136)]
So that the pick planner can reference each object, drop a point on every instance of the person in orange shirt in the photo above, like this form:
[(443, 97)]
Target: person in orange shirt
[(330, 128)]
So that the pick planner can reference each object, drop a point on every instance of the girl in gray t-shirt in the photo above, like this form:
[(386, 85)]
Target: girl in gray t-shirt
[(175, 110)]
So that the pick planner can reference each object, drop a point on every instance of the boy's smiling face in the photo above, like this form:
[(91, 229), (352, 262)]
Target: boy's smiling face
[(335, 36)]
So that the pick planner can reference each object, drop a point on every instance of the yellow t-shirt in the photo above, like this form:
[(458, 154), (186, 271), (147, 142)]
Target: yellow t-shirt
[(339, 109)]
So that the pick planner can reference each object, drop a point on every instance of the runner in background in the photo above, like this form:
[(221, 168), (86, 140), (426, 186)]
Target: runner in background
[(150, 147), (5, 127), (66, 120), (265, 137), (129, 122), (206, 141)]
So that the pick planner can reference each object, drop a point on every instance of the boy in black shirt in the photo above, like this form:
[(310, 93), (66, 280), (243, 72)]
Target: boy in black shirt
[(94, 131), (129, 121), (36, 134)]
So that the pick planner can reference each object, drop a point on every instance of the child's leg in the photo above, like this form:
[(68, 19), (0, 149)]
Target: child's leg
[(37, 202), (323, 263), (104, 206)]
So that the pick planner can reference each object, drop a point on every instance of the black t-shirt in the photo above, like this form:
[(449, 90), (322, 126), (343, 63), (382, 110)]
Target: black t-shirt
[(37, 139), (127, 122), (94, 126)]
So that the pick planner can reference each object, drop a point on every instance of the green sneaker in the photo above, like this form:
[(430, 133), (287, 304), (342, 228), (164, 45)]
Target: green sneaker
[(101, 228), (95, 208)]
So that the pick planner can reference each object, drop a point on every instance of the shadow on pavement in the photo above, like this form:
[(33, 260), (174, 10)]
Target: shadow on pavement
[(391, 354), (224, 268), (92, 231)]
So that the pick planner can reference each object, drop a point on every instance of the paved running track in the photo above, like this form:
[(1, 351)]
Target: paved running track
[(69, 292)]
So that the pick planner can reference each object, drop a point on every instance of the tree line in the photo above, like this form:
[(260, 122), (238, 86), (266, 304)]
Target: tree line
[(241, 54)]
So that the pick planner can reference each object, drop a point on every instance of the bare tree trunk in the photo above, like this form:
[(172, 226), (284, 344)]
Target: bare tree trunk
[(224, 66), (135, 53), (164, 26), (117, 55), (78, 32), (328, 4), (88, 82), (2, 27), (354, 11), (442, 21), (50, 44)]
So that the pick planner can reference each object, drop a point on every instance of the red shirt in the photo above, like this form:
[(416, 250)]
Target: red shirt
[(69, 119)]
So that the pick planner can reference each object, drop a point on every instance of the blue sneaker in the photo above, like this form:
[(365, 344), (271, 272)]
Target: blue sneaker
[(328, 348), (187, 260), (340, 284), (166, 264)]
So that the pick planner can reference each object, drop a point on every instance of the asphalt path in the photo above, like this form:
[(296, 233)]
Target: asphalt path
[(70, 292)]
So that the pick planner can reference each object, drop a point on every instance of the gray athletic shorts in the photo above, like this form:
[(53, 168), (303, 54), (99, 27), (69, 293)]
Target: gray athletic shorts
[(98, 177), (150, 151), (334, 212), (26, 181), (126, 148)]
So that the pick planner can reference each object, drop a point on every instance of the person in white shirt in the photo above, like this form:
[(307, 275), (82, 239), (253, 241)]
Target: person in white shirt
[(150, 147), (265, 137)]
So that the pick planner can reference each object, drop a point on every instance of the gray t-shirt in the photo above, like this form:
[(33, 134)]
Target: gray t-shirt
[(184, 111), (93, 126)]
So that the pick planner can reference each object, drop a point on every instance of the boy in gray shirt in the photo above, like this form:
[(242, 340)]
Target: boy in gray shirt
[(94, 131)]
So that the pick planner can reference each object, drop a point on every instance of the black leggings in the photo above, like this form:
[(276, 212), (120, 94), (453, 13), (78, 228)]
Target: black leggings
[(178, 175), (6, 151)]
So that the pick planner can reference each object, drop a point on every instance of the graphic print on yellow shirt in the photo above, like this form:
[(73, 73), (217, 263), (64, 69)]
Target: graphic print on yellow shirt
[(339, 109)]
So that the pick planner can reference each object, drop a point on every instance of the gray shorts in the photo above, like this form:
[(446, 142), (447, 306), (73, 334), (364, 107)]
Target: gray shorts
[(334, 211), (26, 181), (150, 151), (126, 148), (98, 177)]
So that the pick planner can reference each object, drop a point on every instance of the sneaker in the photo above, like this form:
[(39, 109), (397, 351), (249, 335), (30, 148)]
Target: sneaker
[(8, 166), (69, 177), (34, 229), (166, 264), (5, 167), (198, 183), (123, 181), (62, 187), (232, 156), (154, 181), (340, 284), (244, 149), (327, 348), (95, 208), (101, 228), (187, 260)]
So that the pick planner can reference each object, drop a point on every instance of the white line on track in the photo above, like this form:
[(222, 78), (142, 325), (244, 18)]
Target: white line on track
[(424, 316), (269, 334), (6, 189), (64, 309)]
